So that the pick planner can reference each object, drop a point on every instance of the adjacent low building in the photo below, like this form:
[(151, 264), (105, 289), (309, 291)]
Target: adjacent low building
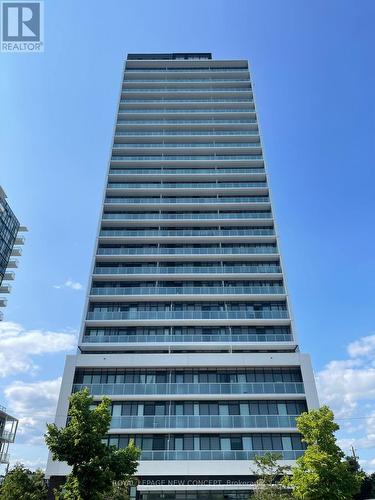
[(8, 429)]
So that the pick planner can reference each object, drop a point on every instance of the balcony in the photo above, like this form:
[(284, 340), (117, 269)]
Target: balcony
[(166, 70), (164, 81), (200, 133), (267, 290), (216, 455), (3, 302), (196, 101), (207, 121), (235, 200), (164, 158), (148, 233), (188, 185), (12, 264), (184, 145), (189, 171), (185, 111), (9, 276), (195, 338), (187, 217), (186, 315), (266, 250), (7, 436), (138, 389), (250, 269), (185, 90), (4, 458), (204, 421)]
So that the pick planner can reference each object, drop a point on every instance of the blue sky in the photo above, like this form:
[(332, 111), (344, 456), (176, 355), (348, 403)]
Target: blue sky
[(314, 78)]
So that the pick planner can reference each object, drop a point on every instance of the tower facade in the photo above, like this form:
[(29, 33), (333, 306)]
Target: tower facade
[(11, 241), (187, 325)]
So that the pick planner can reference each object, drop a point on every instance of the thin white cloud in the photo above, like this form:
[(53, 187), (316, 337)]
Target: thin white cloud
[(34, 404), (348, 387), (73, 285), (19, 346)]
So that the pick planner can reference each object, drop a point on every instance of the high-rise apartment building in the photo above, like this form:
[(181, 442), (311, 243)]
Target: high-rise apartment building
[(187, 325), (10, 246)]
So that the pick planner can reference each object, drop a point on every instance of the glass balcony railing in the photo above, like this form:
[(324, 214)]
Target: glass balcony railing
[(4, 457), (163, 157), (186, 185), (206, 121), (7, 435), (188, 232), (188, 145), (185, 70), (162, 100), (182, 216), (203, 421), (186, 111), (185, 315), (187, 251), (136, 339), (191, 388), (183, 200), (182, 171), (183, 80), (189, 132), (170, 90), (188, 270), (215, 455), (191, 290)]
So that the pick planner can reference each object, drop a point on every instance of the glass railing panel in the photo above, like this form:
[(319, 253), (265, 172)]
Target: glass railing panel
[(187, 157), (135, 339), (186, 251), (206, 121), (185, 111), (179, 80), (187, 232), (186, 70), (188, 270), (189, 132), (182, 216), (216, 455), (200, 388), (172, 90), (203, 421), (188, 145), (183, 315), (185, 185), (180, 171), (163, 100), (183, 200), (193, 290)]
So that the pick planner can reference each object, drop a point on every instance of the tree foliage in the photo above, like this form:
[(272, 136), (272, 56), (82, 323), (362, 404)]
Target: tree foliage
[(270, 472), (367, 488), (20, 483), (95, 466), (321, 472)]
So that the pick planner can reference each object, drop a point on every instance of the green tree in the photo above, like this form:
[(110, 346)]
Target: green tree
[(20, 483), (321, 472), (270, 472), (95, 466), (367, 488)]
